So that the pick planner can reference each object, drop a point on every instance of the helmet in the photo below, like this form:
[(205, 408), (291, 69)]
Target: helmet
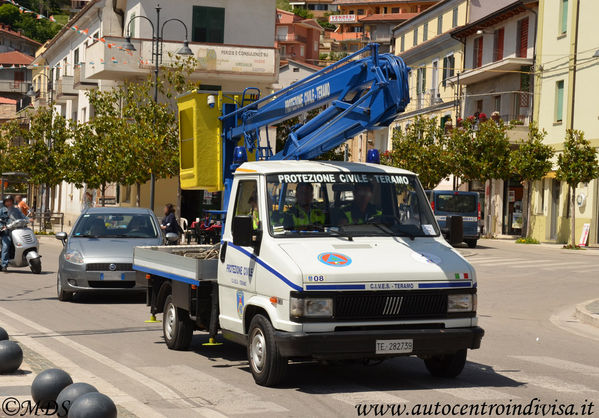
[(8, 197)]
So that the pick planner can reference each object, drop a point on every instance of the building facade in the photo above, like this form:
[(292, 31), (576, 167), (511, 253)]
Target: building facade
[(233, 41), (297, 39), (317, 7), (362, 21), (565, 95)]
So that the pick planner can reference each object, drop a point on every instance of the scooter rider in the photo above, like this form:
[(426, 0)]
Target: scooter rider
[(8, 213)]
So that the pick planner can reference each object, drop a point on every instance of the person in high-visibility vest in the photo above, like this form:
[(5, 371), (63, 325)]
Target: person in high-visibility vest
[(302, 213), (361, 210), (253, 202)]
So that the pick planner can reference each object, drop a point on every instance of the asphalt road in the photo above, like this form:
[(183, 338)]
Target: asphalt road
[(533, 348)]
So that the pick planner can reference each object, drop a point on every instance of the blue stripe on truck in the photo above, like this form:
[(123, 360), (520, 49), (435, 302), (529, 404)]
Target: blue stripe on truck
[(167, 275), (267, 267)]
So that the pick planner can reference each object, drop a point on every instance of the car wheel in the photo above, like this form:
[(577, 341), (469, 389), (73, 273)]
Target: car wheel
[(63, 295), (266, 363), (471, 243), (176, 326), (446, 365)]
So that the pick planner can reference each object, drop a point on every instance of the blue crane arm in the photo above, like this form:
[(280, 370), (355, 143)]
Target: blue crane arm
[(361, 93)]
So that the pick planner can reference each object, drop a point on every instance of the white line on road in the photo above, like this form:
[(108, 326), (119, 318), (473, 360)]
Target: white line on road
[(548, 382), (355, 394), (474, 393), (570, 366), (197, 385), (163, 391)]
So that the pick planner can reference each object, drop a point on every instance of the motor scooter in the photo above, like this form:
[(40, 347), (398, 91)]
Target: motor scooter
[(25, 246)]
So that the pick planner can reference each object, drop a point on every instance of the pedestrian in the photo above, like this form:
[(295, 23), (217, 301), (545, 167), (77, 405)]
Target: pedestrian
[(88, 201), (8, 213), (169, 222), (22, 204)]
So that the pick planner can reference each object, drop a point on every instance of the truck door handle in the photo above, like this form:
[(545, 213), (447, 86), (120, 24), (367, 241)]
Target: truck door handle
[(223, 251)]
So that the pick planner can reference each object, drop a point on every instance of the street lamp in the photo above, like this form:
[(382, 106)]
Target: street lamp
[(157, 44)]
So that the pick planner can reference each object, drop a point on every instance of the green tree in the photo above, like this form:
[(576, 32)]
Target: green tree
[(481, 152), (283, 5), (421, 148), (531, 161), (39, 30), (577, 164), (303, 13)]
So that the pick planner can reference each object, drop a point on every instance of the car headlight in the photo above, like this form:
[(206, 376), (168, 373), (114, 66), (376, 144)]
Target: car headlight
[(461, 303), (73, 256), (311, 307)]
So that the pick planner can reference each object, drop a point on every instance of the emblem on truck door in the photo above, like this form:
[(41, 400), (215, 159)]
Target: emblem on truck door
[(240, 303), (334, 259)]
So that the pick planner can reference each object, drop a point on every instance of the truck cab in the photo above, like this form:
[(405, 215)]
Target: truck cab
[(346, 261)]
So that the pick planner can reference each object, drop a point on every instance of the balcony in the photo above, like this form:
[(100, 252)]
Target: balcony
[(80, 82), (215, 62), (350, 36), (491, 70), (65, 90), (7, 86), (291, 38)]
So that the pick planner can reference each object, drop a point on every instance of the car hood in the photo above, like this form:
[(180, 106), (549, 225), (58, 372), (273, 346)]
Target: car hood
[(367, 260), (113, 249)]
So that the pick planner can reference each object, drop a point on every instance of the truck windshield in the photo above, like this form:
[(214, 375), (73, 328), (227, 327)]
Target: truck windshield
[(352, 204)]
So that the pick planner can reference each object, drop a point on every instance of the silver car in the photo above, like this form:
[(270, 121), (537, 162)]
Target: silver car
[(98, 253)]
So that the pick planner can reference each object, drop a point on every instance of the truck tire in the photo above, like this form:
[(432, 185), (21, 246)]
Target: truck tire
[(62, 294), (176, 326), (266, 363), (446, 365), (471, 243)]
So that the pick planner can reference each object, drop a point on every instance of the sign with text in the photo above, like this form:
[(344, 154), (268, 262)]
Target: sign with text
[(584, 236), (342, 18)]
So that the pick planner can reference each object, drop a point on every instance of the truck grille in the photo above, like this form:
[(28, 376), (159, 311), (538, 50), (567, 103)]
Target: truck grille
[(389, 306), (106, 267)]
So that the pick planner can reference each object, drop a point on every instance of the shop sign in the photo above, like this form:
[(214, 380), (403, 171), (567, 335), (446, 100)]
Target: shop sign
[(584, 236), (342, 18)]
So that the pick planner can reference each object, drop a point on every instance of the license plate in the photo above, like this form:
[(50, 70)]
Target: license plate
[(394, 346)]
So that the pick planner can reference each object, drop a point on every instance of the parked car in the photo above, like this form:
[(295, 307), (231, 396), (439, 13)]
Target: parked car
[(98, 253), (446, 203)]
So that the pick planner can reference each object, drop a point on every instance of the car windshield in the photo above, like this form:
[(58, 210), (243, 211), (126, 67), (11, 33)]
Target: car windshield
[(115, 226), (348, 204)]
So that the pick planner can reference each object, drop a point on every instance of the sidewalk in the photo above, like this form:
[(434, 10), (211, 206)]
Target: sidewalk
[(588, 312)]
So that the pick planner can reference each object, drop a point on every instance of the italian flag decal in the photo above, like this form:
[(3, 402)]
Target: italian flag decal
[(461, 275)]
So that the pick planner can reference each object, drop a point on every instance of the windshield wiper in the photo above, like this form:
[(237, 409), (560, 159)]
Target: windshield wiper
[(321, 228), (380, 225)]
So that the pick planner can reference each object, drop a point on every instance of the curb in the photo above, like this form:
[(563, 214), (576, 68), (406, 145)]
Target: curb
[(585, 316)]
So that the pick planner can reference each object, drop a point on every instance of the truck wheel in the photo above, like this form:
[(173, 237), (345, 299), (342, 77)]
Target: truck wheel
[(62, 294), (471, 243), (266, 363), (446, 365), (176, 326)]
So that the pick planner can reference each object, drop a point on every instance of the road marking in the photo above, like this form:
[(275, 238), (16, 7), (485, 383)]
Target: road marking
[(163, 391), (199, 386), (356, 394), (81, 375), (473, 393), (570, 366), (548, 382)]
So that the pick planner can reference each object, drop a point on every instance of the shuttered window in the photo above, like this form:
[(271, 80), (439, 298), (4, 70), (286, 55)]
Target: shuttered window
[(559, 100), (425, 32), (477, 52), (563, 17), (439, 25), (498, 44), (454, 17), (403, 43), (415, 41), (448, 68), (522, 46)]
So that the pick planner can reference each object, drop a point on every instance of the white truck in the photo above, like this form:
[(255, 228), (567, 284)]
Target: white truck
[(318, 259)]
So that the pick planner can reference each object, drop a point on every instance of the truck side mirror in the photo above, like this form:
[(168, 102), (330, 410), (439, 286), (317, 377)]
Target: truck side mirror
[(61, 236), (243, 231), (456, 229)]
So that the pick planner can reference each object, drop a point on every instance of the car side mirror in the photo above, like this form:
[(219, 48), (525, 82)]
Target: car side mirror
[(171, 237), (61, 236), (456, 229)]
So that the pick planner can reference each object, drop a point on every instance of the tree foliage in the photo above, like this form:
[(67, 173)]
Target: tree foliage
[(39, 30), (577, 164), (421, 148)]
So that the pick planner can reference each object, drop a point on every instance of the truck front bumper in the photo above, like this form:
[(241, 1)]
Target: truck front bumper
[(361, 344)]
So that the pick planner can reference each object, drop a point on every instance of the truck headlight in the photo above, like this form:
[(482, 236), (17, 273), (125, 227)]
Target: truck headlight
[(461, 303), (311, 307), (73, 256)]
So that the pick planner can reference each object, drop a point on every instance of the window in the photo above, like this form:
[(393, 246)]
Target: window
[(403, 43), (208, 24), (395, 10), (413, 9), (415, 40), (315, 46), (454, 17), (76, 58), (246, 201), (522, 38), (479, 106), (440, 25), (477, 52), (360, 11), (385, 10), (295, 69), (498, 44), (563, 17), (425, 32), (132, 25), (421, 81), (448, 68), (497, 104), (351, 12), (559, 101), (302, 51)]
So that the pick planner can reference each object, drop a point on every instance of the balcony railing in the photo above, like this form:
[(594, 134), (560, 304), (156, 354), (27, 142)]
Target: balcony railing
[(350, 36), (13, 87), (79, 79), (64, 88), (291, 37)]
